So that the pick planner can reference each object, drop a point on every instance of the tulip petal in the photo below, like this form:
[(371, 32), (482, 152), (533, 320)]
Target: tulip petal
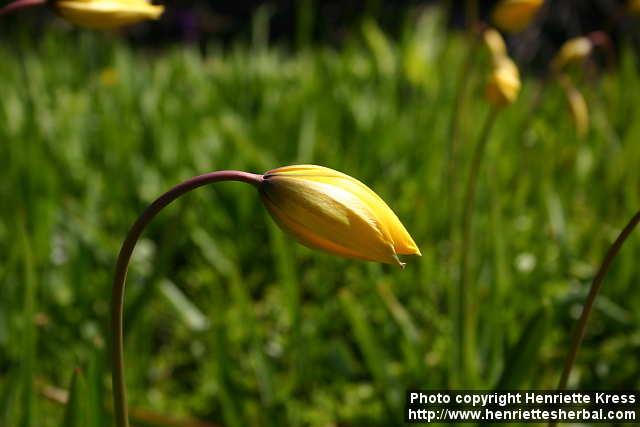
[(103, 14), (312, 240), (338, 209), (330, 214), (515, 15)]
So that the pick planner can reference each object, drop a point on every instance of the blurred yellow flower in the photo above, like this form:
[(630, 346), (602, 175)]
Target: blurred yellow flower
[(108, 76), (572, 51), (577, 105), (104, 14), (634, 6), (495, 43), (514, 15), (328, 210), (503, 86)]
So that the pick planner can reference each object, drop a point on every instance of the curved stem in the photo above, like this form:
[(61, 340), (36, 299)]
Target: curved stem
[(117, 302), (465, 320), (20, 4), (581, 326)]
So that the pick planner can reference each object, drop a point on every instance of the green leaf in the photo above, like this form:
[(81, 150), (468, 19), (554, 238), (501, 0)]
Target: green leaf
[(96, 373), (75, 414), (521, 358), (191, 315)]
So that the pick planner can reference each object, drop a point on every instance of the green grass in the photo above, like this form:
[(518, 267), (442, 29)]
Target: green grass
[(231, 322)]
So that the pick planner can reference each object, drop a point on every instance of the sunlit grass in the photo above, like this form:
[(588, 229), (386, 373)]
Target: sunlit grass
[(230, 321)]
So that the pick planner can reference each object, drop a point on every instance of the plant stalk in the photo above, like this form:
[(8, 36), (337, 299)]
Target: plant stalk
[(463, 79), (466, 322), (20, 4), (117, 302), (581, 326)]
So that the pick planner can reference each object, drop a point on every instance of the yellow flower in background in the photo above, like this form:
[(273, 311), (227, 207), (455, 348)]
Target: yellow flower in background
[(572, 51), (577, 106), (514, 15), (104, 14), (108, 76), (495, 43), (503, 86), (634, 6), (328, 210)]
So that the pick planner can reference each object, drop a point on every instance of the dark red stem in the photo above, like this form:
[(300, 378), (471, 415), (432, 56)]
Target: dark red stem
[(20, 4), (581, 327), (119, 386)]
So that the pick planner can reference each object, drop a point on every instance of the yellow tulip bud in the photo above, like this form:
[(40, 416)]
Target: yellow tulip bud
[(104, 14), (514, 15), (328, 210), (503, 86), (572, 51), (495, 43), (577, 105)]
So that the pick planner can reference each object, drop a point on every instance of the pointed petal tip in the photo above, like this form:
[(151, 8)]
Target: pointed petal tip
[(157, 11), (411, 249), (414, 249)]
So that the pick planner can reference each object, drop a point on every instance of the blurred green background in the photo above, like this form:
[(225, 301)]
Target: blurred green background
[(230, 322)]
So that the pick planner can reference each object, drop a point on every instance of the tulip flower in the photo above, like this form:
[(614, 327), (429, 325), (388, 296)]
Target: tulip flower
[(503, 86), (321, 207), (495, 43), (331, 211), (97, 14), (104, 14), (514, 15), (573, 51)]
